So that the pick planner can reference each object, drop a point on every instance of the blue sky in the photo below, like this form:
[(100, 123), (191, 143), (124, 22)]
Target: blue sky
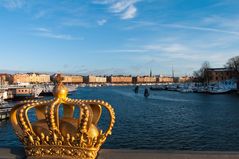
[(117, 36)]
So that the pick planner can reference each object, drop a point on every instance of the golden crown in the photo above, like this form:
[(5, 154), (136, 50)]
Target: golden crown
[(53, 136)]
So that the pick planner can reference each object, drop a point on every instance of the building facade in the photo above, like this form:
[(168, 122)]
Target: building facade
[(72, 79), (221, 74), (184, 79), (119, 79), (165, 79), (91, 79), (30, 78), (144, 79)]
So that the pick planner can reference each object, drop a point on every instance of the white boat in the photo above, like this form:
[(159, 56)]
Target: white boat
[(36, 91), (219, 91), (5, 109), (201, 90), (72, 88), (4, 104), (172, 87), (186, 90)]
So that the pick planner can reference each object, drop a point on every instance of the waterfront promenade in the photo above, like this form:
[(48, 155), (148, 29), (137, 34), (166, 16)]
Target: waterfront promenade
[(18, 153)]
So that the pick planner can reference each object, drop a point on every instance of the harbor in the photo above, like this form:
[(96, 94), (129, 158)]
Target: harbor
[(166, 120), (119, 79)]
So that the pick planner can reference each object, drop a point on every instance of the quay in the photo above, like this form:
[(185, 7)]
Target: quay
[(18, 153)]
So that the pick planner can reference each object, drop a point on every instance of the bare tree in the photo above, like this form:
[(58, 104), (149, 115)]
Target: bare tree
[(233, 63), (202, 74)]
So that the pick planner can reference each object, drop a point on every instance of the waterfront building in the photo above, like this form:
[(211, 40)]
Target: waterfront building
[(30, 78), (39, 78), (221, 74), (119, 79), (165, 79), (184, 79), (92, 79), (20, 93), (144, 79), (20, 78), (72, 79)]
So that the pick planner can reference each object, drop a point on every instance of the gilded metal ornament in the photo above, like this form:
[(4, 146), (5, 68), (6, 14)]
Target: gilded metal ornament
[(55, 136)]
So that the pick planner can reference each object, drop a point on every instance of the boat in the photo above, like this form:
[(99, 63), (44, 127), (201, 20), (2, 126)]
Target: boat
[(146, 92), (24, 92), (72, 88), (158, 88), (185, 90), (219, 91), (47, 90), (201, 90), (5, 109), (136, 89), (36, 91), (172, 87)]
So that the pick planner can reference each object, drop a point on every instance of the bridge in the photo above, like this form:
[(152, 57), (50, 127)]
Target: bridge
[(18, 153)]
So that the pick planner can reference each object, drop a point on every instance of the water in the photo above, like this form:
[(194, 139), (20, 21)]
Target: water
[(164, 120)]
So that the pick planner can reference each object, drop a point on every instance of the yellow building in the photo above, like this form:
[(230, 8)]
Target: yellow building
[(30, 78), (119, 79), (20, 78), (95, 79), (144, 79), (165, 79), (184, 79), (73, 79)]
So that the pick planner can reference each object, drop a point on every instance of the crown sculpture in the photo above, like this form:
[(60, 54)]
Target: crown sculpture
[(58, 137)]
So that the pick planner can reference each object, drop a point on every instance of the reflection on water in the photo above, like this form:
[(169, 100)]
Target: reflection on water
[(164, 120)]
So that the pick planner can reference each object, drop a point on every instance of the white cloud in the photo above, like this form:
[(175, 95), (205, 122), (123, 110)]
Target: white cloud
[(122, 5), (172, 48), (13, 4), (44, 32), (220, 26), (208, 29), (129, 13), (41, 29), (124, 8), (101, 22)]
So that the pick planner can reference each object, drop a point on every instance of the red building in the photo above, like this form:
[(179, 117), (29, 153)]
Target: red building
[(221, 74)]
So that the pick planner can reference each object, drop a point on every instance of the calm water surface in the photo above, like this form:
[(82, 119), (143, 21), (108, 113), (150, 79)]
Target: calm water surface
[(164, 120)]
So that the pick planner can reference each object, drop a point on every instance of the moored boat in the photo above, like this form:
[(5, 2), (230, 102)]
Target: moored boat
[(136, 89), (158, 88), (219, 91), (146, 92)]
